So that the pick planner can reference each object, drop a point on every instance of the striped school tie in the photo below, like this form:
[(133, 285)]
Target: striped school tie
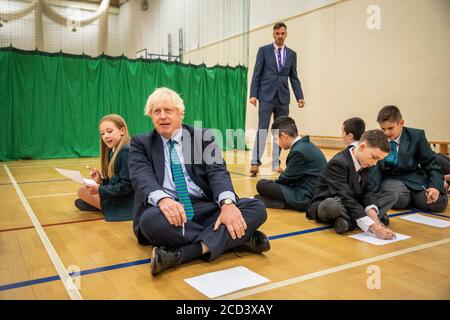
[(180, 181), (392, 158)]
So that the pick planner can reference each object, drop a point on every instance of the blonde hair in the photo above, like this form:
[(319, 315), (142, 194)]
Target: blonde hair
[(107, 166), (161, 94)]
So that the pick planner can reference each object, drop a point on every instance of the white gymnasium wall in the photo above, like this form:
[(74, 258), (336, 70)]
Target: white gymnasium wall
[(263, 12), (204, 22), (348, 70)]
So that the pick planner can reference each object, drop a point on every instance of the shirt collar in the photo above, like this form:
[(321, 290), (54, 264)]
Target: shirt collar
[(355, 162), (177, 137), (398, 138), (296, 139), (276, 47)]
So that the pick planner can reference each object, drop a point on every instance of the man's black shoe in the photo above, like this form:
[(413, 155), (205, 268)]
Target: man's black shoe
[(84, 206), (341, 225), (258, 243), (164, 259)]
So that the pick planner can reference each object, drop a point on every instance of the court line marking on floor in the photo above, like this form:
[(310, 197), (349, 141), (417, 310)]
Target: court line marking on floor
[(82, 273), (317, 274), (67, 281), (52, 195), (51, 224), (249, 176), (144, 261), (47, 165), (35, 181), (58, 180)]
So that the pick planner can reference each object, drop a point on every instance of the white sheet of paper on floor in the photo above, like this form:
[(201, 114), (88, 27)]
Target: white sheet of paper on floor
[(372, 239), (219, 283), (75, 176), (439, 223)]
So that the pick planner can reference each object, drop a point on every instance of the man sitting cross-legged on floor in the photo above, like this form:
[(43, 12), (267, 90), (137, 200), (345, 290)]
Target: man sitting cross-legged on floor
[(185, 203)]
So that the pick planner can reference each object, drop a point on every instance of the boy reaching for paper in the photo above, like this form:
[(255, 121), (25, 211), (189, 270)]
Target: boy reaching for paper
[(343, 196)]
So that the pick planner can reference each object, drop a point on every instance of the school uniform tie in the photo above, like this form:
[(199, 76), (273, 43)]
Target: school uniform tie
[(180, 181), (280, 66), (392, 158)]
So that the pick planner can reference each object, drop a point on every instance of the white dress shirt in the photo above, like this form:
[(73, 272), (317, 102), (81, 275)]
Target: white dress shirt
[(283, 54), (295, 140), (169, 189)]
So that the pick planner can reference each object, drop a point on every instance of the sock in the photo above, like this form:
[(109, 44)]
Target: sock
[(191, 252)]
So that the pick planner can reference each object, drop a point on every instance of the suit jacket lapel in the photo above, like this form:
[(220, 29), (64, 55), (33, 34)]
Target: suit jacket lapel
[(354, 176), (273, 58), (364, 174), (158, 158), (402, 148), (188, 146), (288, 56)]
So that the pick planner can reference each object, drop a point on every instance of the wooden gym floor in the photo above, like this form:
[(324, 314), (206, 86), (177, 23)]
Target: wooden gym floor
[(307, 260)]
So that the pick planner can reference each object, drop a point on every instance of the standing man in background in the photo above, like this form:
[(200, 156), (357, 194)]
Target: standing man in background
[(274, 64)]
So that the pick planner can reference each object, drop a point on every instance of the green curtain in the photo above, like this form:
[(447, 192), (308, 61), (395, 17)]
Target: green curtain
[(50, 104)]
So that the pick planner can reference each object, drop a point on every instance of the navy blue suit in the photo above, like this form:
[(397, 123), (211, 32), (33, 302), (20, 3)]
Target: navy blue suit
[(267, 81), (271, 88), (146, 165)]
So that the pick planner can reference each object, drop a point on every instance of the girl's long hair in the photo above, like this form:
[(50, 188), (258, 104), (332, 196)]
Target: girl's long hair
[(107, 165)]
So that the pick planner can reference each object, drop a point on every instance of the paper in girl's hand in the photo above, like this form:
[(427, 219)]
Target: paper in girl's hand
[(89, 182), (75, 176)]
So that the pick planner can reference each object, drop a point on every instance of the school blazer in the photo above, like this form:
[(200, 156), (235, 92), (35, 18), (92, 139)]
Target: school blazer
[(340, 179), (417, 164), (304, 164), (116, 194)]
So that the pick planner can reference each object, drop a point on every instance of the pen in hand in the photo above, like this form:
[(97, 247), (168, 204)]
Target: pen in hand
[(101, 176), (182, 223), (427, 194)]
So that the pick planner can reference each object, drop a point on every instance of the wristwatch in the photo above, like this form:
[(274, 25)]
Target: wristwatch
[(225, 201)]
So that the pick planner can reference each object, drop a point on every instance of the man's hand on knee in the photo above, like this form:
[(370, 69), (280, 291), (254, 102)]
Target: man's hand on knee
[(232, 218)]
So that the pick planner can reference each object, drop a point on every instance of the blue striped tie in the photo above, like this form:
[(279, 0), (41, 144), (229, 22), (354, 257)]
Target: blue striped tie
[(392, 158), (180, 181)]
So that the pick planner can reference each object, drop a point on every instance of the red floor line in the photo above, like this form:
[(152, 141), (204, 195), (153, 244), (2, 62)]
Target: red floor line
[(51, 224)]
